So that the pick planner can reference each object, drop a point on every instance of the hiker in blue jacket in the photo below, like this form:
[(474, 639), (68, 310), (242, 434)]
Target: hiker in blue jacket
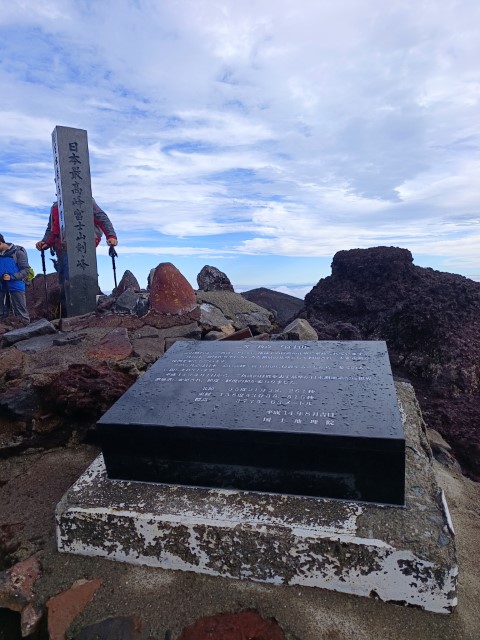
[(14, 270)]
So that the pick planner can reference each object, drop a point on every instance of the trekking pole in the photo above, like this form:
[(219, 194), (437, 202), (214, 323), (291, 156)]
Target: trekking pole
[(113, 254), (7, 299), (45, 282)]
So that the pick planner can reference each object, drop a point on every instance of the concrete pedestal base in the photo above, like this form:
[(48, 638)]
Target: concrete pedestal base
[(405, 555)]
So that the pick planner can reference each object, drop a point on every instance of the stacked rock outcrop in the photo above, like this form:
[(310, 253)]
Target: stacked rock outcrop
[(431, 323)]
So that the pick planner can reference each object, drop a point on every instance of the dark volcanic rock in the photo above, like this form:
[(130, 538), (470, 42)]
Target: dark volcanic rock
[(43, 297), (212, 279), (283, 306), (120, 628), (39, 328), (85, 390), (128, 281), (431, 323)]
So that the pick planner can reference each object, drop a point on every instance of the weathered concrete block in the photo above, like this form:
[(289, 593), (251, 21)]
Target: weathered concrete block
[(404, 555)]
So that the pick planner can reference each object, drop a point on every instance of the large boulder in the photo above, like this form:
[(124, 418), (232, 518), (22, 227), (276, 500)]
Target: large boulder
[(284, 306), (43, 297), (212, 279), (170, 291), (238, 311), (431, 323), (298, 329)]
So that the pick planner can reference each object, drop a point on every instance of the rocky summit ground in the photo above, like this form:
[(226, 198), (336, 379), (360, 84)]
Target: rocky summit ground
[(31, 484), (54, 385)]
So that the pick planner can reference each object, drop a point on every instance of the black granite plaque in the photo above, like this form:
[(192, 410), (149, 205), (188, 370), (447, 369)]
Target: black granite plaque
[(298, 417)]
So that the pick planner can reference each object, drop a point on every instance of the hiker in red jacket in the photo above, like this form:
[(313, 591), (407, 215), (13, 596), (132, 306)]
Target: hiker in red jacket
[(52, 237)]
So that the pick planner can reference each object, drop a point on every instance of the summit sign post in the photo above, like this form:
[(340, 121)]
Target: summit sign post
[(74, 196)]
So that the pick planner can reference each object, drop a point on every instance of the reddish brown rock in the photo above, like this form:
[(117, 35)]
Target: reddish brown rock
[(30, 619), (43, 297), (85, 391), (16, 584), (234, 626), (171, 292), (17, 591), (65, 607), (115, 345), (11, 359), (128, 281)]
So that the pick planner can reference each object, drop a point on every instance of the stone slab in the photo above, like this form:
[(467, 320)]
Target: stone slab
[(303, 417), (402, 555)]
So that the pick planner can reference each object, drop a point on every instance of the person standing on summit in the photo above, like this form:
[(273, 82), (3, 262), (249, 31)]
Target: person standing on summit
[(52, 237), (14, 269)]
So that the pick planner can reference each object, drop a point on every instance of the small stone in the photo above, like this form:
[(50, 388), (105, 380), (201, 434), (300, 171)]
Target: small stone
[(65, 607), (443, 540), (16, 584), (127, 302), (242, 334)]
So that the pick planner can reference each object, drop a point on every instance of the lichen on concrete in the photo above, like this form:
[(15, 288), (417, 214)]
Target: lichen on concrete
[(393, 553)]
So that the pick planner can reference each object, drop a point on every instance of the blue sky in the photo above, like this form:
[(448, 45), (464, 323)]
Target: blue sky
[(260, 137)]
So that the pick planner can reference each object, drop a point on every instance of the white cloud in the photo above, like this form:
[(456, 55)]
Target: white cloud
[(262, 127)]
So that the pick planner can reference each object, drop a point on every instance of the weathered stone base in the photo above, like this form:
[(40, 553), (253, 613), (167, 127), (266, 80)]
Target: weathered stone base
[(403, 555)]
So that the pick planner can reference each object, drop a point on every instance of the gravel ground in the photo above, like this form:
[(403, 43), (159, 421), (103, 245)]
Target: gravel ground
[(167, 601)]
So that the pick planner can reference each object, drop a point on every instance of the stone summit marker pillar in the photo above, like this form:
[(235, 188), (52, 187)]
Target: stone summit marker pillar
[(74, 196)]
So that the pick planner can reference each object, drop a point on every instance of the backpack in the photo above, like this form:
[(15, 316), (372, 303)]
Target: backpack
[(31, 272), (30, 277)]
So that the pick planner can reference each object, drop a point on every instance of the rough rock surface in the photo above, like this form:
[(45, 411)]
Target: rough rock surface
[(128, 281), (115, 345), (239, 311), (282, 305), (170, 291), (17, 586), (43, 297), (119, 628), (431, 323), (212, 279), (234, 626), (64, 607), (298, 329)]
